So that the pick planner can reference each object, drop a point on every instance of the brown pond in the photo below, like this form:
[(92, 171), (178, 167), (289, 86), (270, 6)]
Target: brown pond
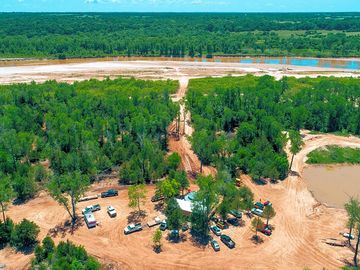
[(333, 185)]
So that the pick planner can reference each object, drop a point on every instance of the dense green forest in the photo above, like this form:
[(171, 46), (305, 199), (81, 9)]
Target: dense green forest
[(240, 121), (61, 35), (82, 130)]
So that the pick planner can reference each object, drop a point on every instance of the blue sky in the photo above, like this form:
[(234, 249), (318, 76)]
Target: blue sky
[(181, 5)]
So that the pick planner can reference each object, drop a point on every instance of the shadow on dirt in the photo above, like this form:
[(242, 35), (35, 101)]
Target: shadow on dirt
[(136, 216), (256, 239), (66, 228)]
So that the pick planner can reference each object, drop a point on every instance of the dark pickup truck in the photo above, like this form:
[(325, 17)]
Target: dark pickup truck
[(109, 193)]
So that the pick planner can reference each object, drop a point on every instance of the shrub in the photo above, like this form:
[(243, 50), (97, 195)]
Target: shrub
[(65, 256), (6, 229), (24, 235)]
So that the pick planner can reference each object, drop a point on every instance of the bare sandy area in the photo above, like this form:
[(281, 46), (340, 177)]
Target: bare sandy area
[(71, 72), (301, 224)]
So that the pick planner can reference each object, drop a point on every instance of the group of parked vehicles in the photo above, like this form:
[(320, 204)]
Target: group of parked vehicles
[(90, 209), (220, 225)]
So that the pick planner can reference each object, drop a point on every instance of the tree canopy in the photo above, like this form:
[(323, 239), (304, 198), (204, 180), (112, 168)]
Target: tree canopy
[(180, 34), (241, 122)]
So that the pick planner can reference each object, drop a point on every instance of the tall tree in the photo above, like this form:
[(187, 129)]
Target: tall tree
[(6, 194), (296, 144), (137, 196), (350, 208), (174, 215), (257, 225), (182, 179), (157, 236), (169, 188), (204, 203), (269, 213), (71, 185)]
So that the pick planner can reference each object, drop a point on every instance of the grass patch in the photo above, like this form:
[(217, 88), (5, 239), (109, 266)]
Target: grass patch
[(334, 154)]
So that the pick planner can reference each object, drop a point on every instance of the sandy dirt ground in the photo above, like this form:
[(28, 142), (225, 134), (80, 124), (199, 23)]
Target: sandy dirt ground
[(301, 224), (154, 70)]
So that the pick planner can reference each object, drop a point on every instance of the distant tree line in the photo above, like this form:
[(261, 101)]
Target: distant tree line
[(178, 35), (243, 123)]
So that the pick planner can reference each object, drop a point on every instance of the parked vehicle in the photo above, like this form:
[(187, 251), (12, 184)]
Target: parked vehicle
[(174, 234), (157, 198), (267, 203), (222, 225), (111, 211), (236, 213), (163, 225), (227, 241), (88, 198), (185, 227), (90, 220), (215, 245), (87, 209), (154, 222), (91, 208), (233, 221), (109, 193), (266, 230), (259, 205), (346, 235), (96, 207), (257, 212), (216, 230), (131, 228)]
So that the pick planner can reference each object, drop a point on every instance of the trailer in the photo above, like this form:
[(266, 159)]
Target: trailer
[(90, 220), (88, 198), (154, 222)]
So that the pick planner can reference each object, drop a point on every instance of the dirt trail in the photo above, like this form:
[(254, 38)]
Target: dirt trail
[(189, 160)]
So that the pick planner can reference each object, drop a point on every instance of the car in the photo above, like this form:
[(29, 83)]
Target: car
[(347, 235), (222, 225), (111, 211), (236, 213), (91, 208), (96, 207), (109, 193), (259, 205), (163, 225), (174, 234), (215, 245), (87, 209), (131, 228), (233, 221), (267, 203), (185, 227), (157, 197), (227, 241), (216, 230), (257, 212), (266, 231)]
